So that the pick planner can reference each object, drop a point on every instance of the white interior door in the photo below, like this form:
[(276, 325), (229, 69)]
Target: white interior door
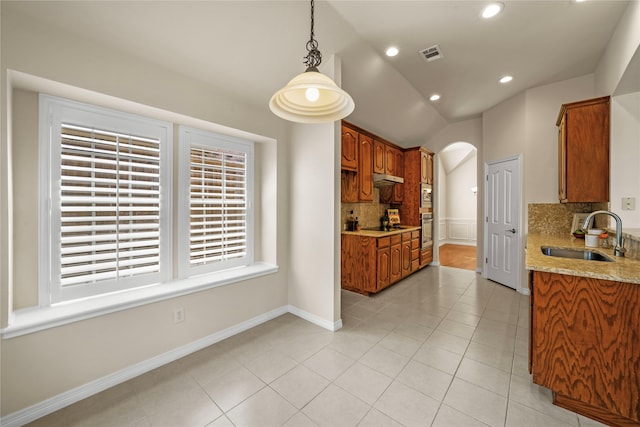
[(502, 219)]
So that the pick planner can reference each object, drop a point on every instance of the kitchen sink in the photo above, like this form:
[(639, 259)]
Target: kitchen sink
[(575, 254)]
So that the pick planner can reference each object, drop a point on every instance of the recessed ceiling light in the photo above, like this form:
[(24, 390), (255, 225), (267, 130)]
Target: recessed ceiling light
[(434, 97), (392, 51), (492, 10), (506, 79)]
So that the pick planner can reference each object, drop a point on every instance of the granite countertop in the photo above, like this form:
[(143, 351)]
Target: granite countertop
[(622, 269), (380, 233)]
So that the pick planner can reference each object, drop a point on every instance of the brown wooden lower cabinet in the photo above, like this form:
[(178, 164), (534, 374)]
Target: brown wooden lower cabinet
[(396, 259), (415, 250), (384, 260), (370, 264), (406, 254), (426, 257), (585, 345)]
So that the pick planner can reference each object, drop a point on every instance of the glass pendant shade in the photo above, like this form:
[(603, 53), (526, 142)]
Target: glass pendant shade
[(311, 97)]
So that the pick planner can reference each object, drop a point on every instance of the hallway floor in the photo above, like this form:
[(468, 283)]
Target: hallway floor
[(457, 256), (444, 347)]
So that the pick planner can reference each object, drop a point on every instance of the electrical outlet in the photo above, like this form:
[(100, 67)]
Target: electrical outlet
[(628, 203), (178, 315)]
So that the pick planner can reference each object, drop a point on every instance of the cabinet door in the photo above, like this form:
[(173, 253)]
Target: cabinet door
[(562, 161), (395, 264), (392, 195), (384, 262), (349, 149), (588, 153), (365, 173), (390, 167), (406, 258), (398, 189), (378, 156), (584, 138), (358, 263), (426, 167), (349, 187)]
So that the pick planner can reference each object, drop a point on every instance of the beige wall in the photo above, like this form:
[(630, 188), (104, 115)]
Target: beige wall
[(625, 155), (314, 203), (41, 365), (621, 48)]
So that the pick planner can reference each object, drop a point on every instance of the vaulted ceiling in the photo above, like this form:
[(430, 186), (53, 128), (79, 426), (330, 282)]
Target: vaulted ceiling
[(252, 48)]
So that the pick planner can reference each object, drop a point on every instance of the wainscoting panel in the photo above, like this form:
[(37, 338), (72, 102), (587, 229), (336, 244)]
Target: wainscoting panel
[(461, 231)]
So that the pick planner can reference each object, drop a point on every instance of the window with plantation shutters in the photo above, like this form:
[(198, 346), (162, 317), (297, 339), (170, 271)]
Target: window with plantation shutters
[(215, 202), (107, 206)]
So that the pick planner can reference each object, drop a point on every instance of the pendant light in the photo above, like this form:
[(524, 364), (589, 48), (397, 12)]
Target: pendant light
[(311, 97)]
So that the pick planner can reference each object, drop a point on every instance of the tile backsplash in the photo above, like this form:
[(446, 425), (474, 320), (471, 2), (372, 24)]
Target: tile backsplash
[(368, 214), (557, 218)]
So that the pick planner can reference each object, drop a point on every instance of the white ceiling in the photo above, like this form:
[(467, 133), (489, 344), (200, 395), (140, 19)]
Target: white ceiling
[(252, 48)]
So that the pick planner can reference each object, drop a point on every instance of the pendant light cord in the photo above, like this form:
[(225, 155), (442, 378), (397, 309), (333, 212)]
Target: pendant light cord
[(314, 57)]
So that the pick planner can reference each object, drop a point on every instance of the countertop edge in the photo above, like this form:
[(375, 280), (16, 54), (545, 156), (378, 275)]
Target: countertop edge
[(380, 233)]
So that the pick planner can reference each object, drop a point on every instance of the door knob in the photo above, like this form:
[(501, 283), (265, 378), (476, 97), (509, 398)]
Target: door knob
[(513, 230)]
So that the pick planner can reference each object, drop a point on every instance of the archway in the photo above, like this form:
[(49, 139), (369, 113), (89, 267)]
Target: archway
[(457, 204)]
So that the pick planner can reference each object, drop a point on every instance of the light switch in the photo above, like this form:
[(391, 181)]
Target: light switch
[(628, 203)]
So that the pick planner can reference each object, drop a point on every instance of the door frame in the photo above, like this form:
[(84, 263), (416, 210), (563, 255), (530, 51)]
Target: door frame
[(485, 215)]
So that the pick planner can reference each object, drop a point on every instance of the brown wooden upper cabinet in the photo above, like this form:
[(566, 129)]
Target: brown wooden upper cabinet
[(356, 165), (350, 149), (379, 156), (417, 170), (365, 172), (387, 159), (426, 167), (583, 151)]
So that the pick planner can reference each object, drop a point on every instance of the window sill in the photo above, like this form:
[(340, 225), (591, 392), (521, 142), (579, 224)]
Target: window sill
[(29, 320)]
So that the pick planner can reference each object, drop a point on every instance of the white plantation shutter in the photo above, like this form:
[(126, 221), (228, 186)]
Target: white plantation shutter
[(216, 214), (106, 204), (110, 205)]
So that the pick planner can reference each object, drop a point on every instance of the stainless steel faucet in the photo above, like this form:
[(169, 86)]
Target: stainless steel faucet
[(618, 249)]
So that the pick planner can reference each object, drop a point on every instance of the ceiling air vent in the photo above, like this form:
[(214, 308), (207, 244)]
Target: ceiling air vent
[(432, 53)]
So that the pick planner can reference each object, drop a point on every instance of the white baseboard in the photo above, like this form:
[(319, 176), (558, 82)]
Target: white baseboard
[(316, 320), (74, 395), (457, 242), (524, 291)]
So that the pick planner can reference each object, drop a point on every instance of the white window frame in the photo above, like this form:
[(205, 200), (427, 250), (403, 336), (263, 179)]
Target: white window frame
[(189, 137), (53, 112)]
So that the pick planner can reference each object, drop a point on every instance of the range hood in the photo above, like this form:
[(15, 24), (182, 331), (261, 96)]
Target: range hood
[(383, 180)]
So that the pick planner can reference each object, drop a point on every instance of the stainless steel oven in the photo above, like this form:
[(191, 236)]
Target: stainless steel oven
[(426, 194), (427, 230)]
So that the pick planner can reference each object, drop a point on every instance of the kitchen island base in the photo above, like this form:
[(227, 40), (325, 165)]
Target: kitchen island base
[(585, 345), (599, 414)]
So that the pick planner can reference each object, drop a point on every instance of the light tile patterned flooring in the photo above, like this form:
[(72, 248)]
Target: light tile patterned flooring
[(444, 347)]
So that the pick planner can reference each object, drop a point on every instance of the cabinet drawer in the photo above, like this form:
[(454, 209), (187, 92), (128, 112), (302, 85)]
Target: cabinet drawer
[(415, 254), (383, 242), (395, 239), (426, 256), (415, 244), (415, 265), (406, 237), (415, 234)]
